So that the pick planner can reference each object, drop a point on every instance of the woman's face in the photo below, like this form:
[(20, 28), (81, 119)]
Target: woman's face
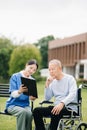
[(30, 69)]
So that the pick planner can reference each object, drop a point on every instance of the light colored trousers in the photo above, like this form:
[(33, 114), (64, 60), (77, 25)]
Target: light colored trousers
[(24, 117)]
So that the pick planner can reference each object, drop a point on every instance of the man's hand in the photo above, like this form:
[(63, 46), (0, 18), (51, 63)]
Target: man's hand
[(48, 81), (56, 110)]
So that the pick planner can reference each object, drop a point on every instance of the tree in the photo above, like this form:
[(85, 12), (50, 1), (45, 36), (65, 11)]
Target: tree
[(21, 55), (43, 46), (6, 48)]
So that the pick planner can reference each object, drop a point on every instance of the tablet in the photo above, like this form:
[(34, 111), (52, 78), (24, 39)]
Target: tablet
[(31, 85)]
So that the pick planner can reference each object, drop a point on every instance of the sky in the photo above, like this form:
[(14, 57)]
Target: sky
[(31, 20)]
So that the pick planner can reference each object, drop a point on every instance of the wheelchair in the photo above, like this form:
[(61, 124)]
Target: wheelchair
[(82, 125), (68, 122)]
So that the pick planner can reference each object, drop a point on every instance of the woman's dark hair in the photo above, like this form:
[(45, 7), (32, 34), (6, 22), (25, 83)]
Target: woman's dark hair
[(32, 61)]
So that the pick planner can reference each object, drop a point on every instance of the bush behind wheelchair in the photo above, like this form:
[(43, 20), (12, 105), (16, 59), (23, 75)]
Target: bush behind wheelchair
[(68, 122)]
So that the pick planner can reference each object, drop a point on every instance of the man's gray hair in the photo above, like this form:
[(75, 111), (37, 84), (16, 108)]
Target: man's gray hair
[(55, 61)]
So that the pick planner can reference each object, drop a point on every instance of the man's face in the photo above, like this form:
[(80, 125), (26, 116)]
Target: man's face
[(54, 70)]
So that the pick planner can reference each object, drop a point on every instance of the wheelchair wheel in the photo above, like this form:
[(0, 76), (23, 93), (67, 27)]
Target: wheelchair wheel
[(65, 124), (82, 126)]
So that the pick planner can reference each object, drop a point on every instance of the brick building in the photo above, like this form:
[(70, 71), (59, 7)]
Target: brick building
[(72, 52)]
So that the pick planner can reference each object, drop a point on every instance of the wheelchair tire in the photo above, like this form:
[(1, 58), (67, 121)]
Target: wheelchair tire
[(82, 126)]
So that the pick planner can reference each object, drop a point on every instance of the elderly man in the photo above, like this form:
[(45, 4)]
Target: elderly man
[(63, 88)]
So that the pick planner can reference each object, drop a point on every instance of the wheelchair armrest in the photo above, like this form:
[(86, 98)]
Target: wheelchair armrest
[(84, 85), (74, 103), (45, 102)]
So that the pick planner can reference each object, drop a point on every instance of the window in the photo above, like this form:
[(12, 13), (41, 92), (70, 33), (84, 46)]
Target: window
[(81, 71)]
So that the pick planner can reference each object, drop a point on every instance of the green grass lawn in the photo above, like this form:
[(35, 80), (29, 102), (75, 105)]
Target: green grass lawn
[(9, 122)]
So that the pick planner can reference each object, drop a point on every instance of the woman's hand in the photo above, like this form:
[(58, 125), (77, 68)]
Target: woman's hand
[(22, 89), (32, 98)]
